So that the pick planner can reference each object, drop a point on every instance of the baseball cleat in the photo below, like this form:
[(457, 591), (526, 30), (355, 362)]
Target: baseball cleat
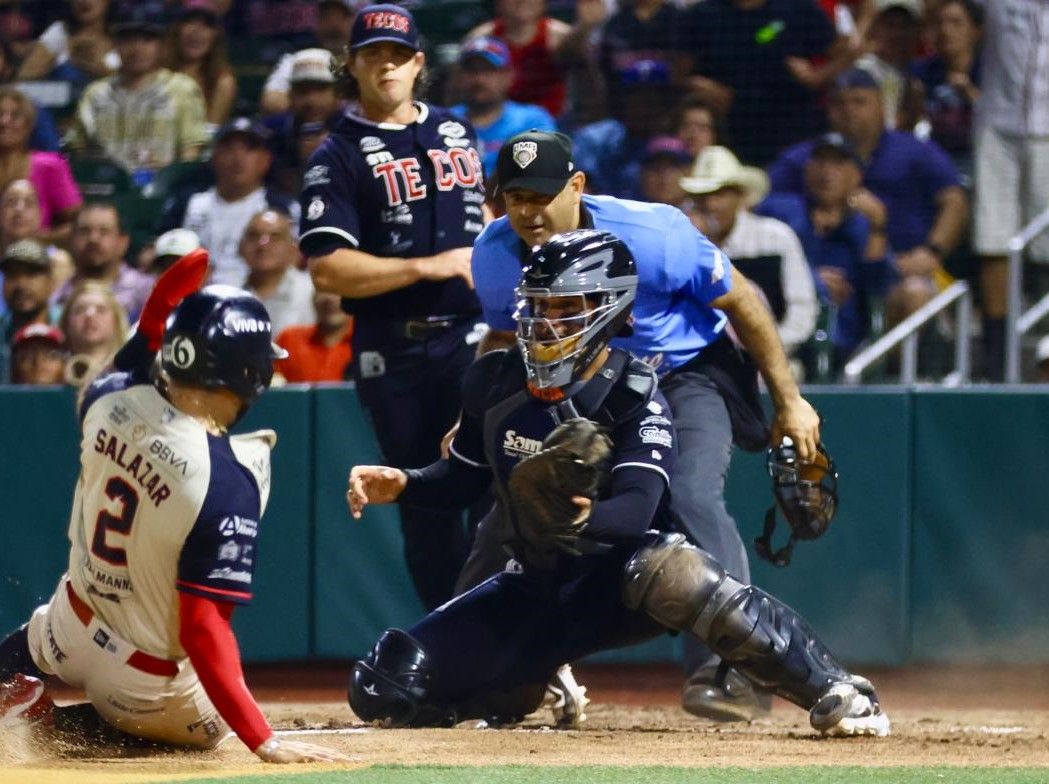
[(849, 709), (18, 696), (566, 698), (722, 694)]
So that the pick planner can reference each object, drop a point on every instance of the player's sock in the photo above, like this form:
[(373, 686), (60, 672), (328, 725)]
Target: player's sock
[(15, 657)]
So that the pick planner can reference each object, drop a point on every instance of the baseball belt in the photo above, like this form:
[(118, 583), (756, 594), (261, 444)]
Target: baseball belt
[(140, 660)]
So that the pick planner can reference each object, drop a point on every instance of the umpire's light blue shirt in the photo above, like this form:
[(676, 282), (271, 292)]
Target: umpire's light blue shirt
[(679, 273)]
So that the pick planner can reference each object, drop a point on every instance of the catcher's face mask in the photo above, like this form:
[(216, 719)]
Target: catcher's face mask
[(806, 494), (553, 332)]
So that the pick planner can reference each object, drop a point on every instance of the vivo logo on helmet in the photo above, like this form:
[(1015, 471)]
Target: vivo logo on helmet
[(249, 325)]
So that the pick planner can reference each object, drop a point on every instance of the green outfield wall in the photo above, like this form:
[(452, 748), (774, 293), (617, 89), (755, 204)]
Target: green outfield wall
[(940, 551)]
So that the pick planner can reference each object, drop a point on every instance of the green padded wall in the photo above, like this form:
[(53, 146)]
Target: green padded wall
[(39, 446), (360, 580), (851, 584), (981, 527), (938, 553), (277, 624)]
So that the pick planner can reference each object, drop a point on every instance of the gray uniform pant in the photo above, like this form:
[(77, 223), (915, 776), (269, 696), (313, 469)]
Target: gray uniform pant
[(697, 488)]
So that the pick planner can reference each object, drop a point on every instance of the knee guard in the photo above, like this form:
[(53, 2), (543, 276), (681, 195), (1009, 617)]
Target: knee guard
[(394, 684), (684, 588)]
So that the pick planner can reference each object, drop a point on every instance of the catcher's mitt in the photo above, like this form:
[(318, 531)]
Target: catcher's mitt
[(572, 462)]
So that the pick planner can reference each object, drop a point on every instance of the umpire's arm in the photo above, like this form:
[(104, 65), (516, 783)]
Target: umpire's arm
[(795, 417), (355, 274)]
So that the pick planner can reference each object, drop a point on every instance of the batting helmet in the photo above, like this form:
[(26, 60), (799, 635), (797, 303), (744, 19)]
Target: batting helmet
[(806, 493), (598, 270), (221, 337)]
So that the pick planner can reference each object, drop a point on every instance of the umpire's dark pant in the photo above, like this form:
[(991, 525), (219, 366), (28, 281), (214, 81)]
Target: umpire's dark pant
[(697, 488), (411, 390)]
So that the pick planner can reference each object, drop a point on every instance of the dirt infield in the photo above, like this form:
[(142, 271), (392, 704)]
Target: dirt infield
[(951, 717)]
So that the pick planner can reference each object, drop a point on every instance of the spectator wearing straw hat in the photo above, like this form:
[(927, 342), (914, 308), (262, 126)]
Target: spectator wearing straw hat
[(764, 249)]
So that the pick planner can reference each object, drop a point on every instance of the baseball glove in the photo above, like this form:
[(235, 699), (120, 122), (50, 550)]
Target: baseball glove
[(573, 462)]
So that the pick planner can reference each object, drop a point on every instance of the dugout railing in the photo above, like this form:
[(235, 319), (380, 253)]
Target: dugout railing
[(905, 335), (1019, 322)]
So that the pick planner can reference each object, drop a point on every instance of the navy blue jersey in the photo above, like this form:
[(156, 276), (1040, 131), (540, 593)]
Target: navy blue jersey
[(502, 424), (397, 191)]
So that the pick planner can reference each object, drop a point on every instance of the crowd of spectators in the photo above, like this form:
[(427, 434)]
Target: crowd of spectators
[(853, 157)]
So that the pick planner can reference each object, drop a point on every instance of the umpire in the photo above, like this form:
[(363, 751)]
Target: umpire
[(391, 205), (679, 327)]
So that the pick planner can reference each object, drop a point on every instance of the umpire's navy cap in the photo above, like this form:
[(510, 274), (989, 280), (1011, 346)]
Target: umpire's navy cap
[(384, 22), (539, 161)]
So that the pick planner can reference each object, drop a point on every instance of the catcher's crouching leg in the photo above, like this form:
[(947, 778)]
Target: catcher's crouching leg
[(684, 588)]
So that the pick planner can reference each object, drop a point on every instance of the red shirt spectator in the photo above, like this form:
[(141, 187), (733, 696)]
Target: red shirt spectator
[(538, 46), (537, 78), (321, 351)]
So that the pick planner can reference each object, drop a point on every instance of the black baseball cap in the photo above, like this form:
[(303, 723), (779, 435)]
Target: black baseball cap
[(384, 22), (836, 143), (539, 161), (139, 18)]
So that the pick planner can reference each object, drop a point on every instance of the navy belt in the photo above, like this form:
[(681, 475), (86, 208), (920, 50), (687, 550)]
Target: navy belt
[(425, 329)]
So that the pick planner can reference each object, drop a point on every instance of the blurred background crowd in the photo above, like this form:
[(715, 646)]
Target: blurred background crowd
[(853, 157)]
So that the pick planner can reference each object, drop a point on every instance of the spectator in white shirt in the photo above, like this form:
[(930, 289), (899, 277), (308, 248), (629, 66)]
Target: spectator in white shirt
[(271, 254), (764, 249), (1011, 150), (220, 214)]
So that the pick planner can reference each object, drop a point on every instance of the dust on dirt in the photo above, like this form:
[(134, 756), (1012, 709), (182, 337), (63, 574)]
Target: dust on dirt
[(954, 717)]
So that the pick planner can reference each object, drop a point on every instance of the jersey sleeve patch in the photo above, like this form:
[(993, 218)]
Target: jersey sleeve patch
[(647, 440), (328, 203), (219, 555)]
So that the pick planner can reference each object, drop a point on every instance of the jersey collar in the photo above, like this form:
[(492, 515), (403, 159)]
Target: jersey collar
[(424, 112)]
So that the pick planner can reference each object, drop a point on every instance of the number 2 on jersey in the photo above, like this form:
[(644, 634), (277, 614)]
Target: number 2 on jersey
[(116, 490)]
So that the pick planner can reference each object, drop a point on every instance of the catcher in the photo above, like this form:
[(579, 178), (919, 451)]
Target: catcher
[(577, 439)]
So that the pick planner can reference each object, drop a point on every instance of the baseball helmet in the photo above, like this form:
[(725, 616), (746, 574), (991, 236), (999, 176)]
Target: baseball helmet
[(593, 276), (805, 492), (221, 337)]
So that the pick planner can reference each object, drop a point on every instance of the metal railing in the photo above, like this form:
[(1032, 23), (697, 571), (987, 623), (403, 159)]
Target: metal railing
[(906, 333), (1017, 323)]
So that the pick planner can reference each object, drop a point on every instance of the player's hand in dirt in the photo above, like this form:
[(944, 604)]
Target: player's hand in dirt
[(373, 485), (281, 751)]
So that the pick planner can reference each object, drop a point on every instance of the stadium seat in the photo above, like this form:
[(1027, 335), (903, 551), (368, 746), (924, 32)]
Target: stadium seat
[(192, 175), (140, 216), (100, 178)]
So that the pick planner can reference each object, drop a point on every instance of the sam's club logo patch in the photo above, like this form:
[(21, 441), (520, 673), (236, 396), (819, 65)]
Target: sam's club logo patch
[(524, 153)]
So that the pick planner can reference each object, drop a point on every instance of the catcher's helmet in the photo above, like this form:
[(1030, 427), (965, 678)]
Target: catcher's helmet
[(221, 337), (591, 268), (806, 493)]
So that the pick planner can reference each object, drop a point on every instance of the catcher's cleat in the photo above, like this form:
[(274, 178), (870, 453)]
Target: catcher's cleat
[(566, 698), (23, 697), (723, 694), (850, 708)]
